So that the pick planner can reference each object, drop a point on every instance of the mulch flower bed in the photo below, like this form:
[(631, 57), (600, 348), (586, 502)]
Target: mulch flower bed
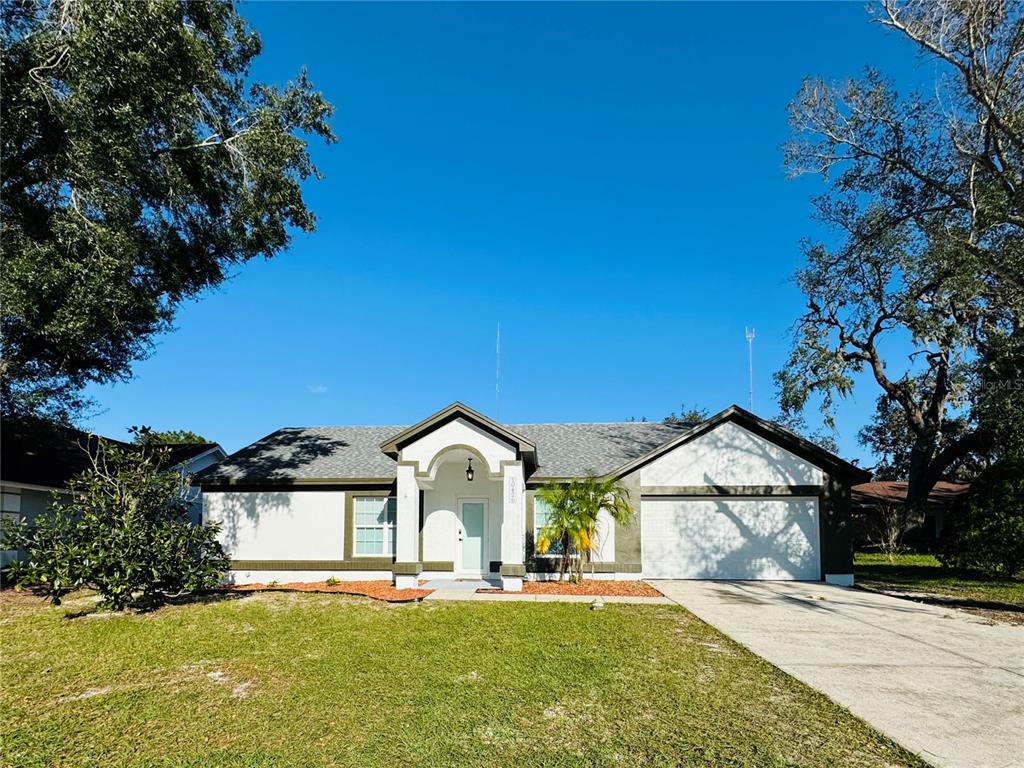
[(378, 590), (589, 588)]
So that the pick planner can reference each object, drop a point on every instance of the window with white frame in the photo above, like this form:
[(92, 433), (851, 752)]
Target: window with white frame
[(541, 515), (10, 507), (375, 525)]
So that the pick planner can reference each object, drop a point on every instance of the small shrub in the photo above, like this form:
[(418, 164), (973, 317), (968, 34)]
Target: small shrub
[(989, 534), (887, 528), (123, 531), (332, 581)]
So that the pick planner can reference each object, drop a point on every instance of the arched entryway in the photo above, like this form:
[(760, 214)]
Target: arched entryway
[(449, 523)]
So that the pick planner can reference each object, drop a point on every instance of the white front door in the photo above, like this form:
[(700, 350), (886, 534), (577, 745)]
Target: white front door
[(471, 552)]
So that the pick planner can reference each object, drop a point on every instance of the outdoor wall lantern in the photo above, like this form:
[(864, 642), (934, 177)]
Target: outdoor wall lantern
[(469, 471)]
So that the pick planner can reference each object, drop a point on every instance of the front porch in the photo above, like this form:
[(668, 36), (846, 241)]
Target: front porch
[(461, 502)]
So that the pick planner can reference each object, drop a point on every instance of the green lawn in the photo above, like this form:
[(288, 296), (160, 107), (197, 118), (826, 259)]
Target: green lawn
[(325, 680), (923, 573)]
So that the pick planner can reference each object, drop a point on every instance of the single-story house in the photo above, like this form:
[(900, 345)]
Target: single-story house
[(38, 457), (734, 497), (925, 528)]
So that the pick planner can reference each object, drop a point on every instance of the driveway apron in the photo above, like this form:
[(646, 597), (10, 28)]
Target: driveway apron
[(941, 682)]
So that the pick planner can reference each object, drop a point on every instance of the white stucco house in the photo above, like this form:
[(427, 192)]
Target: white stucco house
[(734, 497)]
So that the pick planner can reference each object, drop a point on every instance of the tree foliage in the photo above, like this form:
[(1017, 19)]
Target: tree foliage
[(147, 436), (892, 442), (139, 165), (926, 201), (687, 416), (572, 525), (989, 534), (123, 531)]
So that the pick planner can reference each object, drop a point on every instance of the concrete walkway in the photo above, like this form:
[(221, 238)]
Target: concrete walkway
[(940, 682), (450, 589)]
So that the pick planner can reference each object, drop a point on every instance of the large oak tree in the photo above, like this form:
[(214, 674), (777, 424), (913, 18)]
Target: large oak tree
[(140, 163), (922, 283)]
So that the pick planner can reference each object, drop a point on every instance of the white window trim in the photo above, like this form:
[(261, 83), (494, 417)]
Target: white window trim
[(537, 528), (390, 529), (16, 520)]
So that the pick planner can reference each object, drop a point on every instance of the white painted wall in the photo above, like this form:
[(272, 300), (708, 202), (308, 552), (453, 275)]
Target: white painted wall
[(202, 461), (730, 538), (440, 511), (279, 525), (407, 521), (458, 432), (513, 515), (730, 455)]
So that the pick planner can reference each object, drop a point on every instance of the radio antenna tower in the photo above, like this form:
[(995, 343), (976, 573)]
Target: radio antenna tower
[(750, 362), (497, 374)]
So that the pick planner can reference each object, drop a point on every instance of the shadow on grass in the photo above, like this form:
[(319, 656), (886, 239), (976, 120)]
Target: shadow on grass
[(932, 583), (921, 594), (150, 606)]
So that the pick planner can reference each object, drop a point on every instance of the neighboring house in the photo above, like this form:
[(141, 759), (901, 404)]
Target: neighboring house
[(38, 458), (734, 497), (869, 499)]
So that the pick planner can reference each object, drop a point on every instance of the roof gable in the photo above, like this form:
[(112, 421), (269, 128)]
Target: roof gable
[(729, 455), (394, 444), (793, 443), (185, 453)]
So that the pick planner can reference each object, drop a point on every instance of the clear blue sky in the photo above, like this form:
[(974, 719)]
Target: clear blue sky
[(604, 180)]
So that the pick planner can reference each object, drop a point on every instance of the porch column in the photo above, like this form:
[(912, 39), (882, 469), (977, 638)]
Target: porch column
[(407, 529), (513, 527)]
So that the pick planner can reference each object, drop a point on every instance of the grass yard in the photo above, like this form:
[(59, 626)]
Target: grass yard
[(923, 573), (281, 679)]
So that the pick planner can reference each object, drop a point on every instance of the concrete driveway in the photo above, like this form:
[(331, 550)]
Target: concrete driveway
[(940, 682)]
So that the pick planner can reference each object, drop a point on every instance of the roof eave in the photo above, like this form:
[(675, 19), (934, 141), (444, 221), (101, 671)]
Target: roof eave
[(288, 482), (393, 445), (783, 437)]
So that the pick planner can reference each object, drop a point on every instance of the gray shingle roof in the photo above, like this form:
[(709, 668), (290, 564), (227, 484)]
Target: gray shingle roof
[(347, 453), (571, 450)]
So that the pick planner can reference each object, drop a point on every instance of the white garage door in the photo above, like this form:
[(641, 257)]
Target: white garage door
[(730, 538)]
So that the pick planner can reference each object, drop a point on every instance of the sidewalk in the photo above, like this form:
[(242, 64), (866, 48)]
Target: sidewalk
[(445, 589)]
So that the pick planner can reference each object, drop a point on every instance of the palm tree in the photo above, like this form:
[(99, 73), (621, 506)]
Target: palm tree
[(572, 517)]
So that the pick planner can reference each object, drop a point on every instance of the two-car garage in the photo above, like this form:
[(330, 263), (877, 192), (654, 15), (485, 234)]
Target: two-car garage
[(723, 537), (739, 498)]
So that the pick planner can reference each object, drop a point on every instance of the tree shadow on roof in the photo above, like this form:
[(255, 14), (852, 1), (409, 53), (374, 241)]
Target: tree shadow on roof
[(276, 457)]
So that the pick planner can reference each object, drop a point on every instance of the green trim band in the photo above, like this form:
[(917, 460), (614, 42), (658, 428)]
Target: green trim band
[(438, 565), (730, 490), (550, 565), (300, 484), (368, 564), (414, 569)]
